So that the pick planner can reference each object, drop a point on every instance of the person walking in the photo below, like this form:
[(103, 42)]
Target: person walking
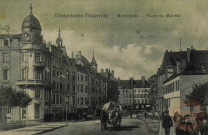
[(188, 126), (167, 122), (178, 124), (202, 121), (145, 114)]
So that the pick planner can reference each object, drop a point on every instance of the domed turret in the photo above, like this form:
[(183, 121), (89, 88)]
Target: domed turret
[(31, 29)]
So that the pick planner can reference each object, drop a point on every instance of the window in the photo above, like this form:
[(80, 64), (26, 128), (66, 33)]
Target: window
[(37, 93), (78, 101), (37, 57), (81, 87), (81, 77), (54, 73), (24, 56), (73, 100), (68, 87), (5, 57), (178, 85), (23, 113), (24, 74), (85, 89), (8, 110), (68, 75), (86, 78), (39, 74), (54, 99), (81, 101), (37, 111), (73, 88), (78, 88), (86, 101), (5, 74), (73, 77), (6, 42)]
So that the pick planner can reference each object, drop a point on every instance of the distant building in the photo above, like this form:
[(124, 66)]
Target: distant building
[(134, 93), (110, 86)]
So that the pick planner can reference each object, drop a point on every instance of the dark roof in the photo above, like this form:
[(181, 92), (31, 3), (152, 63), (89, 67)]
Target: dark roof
[(127, 84), (93, 62), (81, 68), (12, 36), (170, 59), (188, 70), (85, 61), (198, 58)]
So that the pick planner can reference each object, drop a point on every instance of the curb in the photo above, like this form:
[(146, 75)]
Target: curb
[(49, 130)]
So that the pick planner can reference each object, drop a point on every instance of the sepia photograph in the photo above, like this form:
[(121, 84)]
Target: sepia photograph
[(103, 67)]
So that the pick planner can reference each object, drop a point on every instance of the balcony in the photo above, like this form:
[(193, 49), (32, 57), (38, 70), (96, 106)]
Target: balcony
[(32, 82), (39, 64)]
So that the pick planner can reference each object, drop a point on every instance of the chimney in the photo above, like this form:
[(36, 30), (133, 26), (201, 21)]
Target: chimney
[(178, 67), (79, 53), (132, 82), (102, 71), (192, 47), (143, 80), (183, 63), (72, 55), (112, 73), (119, 81), (188, 55)]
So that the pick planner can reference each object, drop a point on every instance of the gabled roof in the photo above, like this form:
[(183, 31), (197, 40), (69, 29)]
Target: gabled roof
[(188, 70), (198, 58)]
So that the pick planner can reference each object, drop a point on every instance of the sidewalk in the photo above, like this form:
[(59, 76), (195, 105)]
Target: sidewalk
[(37, 129)]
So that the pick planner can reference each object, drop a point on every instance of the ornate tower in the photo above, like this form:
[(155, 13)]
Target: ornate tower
[(59, 40), (31, 29), (93, 62)]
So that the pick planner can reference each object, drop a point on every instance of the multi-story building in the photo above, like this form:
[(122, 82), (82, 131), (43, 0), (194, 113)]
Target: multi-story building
[(109, 86), (134, 93), (26, 63), (177, 71), (57, 84)]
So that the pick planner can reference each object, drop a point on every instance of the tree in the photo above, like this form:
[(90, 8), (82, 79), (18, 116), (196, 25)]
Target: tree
[(11, 98), (199, 95)]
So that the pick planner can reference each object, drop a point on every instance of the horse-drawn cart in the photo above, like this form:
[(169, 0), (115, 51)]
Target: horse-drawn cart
[(111, 114)]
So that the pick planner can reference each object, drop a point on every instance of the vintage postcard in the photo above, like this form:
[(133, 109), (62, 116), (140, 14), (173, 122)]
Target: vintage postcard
[(103, 67)]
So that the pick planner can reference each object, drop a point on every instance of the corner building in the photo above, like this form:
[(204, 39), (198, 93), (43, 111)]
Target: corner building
[(58, 85)]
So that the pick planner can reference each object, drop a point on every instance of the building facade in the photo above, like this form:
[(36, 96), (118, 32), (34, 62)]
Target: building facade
[(176, 76), (58, 85), (134, 94)]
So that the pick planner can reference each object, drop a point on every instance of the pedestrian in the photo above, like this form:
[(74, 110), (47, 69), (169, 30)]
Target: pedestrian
[(202, 121), (167, 122), (145, 114), (103, 119), (130, 113), (178, 124), (188, 126)]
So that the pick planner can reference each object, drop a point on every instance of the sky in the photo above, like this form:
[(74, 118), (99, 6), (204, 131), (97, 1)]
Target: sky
[(132, 47)]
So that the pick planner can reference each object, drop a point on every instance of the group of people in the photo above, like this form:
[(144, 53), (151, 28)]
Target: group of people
[(183, 125)]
